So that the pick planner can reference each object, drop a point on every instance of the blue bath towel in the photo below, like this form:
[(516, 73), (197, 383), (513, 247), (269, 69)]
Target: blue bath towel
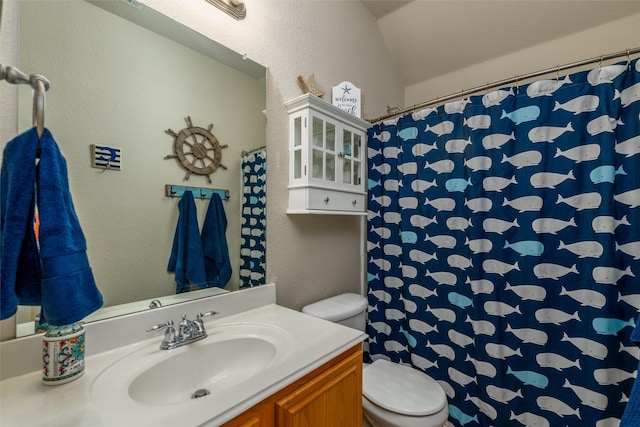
[(187, 260), (214, 244), (631, 416), (56, 275)]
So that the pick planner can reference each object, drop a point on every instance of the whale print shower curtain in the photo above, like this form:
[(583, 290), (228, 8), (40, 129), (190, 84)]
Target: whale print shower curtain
[(254, 219), (504, 248)]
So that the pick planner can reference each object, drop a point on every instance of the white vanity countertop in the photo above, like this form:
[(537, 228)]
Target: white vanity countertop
[(25, 401)]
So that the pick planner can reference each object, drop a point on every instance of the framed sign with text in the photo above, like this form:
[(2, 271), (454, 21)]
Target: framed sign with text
[(346, 97)]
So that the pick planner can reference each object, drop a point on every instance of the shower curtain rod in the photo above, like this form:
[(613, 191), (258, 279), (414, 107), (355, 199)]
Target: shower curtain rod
[(244, 153), (505, 82)]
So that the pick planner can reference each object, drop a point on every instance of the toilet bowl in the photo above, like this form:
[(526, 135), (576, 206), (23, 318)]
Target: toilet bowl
[(394, 395)]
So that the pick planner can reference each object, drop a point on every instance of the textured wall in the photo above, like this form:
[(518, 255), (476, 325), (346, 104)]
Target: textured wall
[(610, 37), (8, 57)]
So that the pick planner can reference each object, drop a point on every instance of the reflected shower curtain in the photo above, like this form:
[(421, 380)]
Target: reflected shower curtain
[(254, 220), (504, 248)]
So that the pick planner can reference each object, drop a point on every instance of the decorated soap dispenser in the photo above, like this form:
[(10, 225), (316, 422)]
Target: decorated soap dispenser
[(62, 354)]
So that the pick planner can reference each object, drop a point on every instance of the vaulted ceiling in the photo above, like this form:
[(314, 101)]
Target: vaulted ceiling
[(429, 38)]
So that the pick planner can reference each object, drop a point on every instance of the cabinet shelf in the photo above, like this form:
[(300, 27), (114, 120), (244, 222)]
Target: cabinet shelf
[(327, 158)]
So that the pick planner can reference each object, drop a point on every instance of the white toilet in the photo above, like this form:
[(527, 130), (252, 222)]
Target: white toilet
[(393, 395)]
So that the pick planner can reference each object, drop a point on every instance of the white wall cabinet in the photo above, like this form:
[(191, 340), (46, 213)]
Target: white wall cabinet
[(327, 158)]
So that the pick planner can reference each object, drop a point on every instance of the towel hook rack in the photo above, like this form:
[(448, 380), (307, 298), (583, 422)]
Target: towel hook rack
[(39, 83), (202, 193)]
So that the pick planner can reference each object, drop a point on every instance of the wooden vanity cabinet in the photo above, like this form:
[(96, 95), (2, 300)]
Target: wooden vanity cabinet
[(330, 396)]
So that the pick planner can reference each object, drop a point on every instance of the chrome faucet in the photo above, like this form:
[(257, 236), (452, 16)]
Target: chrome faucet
[(188, 331)]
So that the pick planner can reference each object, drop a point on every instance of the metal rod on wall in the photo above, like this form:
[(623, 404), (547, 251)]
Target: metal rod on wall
[(505, 82), (254, 150)]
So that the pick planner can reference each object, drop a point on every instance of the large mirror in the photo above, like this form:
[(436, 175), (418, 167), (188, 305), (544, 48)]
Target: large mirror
[(121, 76)]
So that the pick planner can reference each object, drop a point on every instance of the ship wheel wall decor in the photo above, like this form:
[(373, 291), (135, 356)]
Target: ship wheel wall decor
[(197, 150)]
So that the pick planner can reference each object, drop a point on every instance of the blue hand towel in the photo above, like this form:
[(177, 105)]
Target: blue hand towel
[(58, 275), (214, 244), (631, 416), (187, 260)]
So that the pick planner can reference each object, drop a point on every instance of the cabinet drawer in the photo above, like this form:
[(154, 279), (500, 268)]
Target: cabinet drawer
[(331, 200)]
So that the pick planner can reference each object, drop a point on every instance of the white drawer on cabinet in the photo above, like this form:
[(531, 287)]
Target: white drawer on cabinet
[(335, 200), (321, 200)]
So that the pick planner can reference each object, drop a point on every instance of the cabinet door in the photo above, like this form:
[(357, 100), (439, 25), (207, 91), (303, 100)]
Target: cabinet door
[(323, 148), (332, 399), (297, 140), (351, 153)]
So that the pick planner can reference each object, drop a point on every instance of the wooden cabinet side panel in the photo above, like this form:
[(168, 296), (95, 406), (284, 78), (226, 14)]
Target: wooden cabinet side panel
[(333, 398)]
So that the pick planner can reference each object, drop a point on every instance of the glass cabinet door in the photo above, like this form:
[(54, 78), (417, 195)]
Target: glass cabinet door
[(330, 154), (347, 141), (352, 162), (323, 149), (357, 159), (297, 147)]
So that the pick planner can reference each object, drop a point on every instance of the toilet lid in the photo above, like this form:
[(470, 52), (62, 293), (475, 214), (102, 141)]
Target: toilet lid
[(402, 389)]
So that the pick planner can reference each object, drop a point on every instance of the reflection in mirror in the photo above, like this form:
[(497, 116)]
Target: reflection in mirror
[(118, 84)]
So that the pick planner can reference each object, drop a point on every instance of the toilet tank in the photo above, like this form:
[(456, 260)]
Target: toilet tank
[(346, 309)]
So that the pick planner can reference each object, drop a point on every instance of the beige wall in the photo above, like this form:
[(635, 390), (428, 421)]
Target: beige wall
[(8, 56), (611, 37)]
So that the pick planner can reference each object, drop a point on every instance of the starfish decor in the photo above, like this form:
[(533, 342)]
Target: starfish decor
[(309, 86)]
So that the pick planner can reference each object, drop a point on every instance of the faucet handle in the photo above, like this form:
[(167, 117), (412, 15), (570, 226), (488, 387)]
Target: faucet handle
[(199, 316), (169, 324), (169, 334), (199, 324)]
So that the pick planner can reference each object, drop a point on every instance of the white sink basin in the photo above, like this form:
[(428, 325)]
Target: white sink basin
[(229, 356)]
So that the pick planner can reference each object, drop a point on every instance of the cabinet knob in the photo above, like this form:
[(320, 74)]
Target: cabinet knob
[(326, 200), (354, 202)]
